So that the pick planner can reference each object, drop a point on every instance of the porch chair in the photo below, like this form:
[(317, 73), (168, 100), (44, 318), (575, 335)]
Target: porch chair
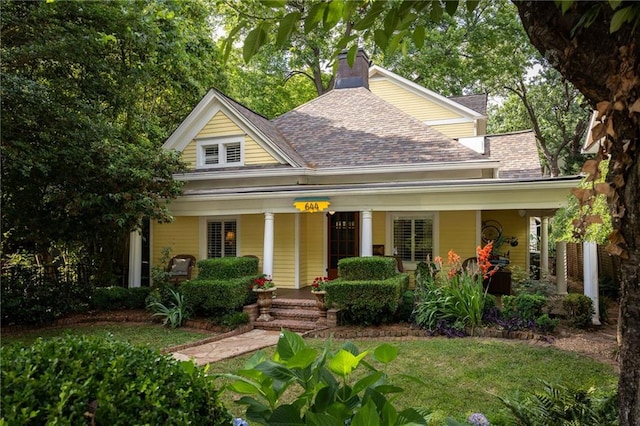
[(180, 267)]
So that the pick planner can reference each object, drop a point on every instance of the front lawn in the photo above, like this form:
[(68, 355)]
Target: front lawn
[(464, 375), (151, 335)]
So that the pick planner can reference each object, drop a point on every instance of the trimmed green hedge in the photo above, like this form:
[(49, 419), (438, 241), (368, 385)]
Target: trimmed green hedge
[(215, 298), (112, 298), (368, 301), (225, 268), (91, 380), (525, 306), (366, 268)]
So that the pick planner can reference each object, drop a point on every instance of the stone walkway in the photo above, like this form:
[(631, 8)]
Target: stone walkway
[(228, 347)]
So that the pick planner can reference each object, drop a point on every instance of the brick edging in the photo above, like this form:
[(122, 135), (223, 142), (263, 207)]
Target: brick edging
[(409, 333)]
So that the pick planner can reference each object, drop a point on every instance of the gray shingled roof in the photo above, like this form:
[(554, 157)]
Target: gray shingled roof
[(517, 153), (353, 127), (266, 127), (478, 103)]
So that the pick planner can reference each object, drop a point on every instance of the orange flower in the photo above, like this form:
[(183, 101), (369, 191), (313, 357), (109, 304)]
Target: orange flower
[(438, 260), (452, 258), (484, 265)]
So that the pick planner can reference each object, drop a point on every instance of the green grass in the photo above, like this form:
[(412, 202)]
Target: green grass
[(150, 335), (464, 375)]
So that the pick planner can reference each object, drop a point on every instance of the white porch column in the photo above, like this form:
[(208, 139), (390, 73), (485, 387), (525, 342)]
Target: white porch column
[(590, 269), (135, 259), (367, 234), (561, 267), (267, 254), (544, 246)]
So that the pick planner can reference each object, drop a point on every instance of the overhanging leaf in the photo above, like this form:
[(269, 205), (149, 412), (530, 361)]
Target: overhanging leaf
[(451, 6), (256, 38), (287, 24), (284, 415), (343, 363), (385, 353), (366, 416), (315, 15), (332, 14), (289, 344), (626, 14), (418, 36), (604, 188)]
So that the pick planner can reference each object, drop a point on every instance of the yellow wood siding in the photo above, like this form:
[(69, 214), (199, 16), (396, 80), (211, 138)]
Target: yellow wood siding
[(251, 238), (512, 226), (181, 236), (458, 130), (311, 247), (407, 101), (379, 224), (284, 250), (458, 233), (219, 126)]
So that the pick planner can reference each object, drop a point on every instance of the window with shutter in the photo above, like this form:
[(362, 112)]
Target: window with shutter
[(220, 152), (413, 238), (221, 238)]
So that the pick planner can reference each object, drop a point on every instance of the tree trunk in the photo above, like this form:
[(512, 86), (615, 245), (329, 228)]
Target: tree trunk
[(604, 67)]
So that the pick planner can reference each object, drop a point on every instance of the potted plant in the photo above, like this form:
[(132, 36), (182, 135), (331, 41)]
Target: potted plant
[(264, 287), (318, 289)]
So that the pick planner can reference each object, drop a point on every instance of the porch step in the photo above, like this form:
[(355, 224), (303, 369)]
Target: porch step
[(293, 314), (278, 324), (296, 314)]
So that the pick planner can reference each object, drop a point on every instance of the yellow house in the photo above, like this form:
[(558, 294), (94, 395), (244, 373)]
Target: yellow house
[(376, 166)]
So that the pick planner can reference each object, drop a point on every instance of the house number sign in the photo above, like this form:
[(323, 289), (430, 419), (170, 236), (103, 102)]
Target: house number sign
[(311, 204)]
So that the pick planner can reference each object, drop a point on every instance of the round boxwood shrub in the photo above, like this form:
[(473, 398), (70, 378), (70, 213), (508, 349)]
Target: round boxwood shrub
[(93, 380)]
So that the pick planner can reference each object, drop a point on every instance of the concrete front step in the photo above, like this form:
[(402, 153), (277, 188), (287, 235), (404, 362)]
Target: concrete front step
[(278, 324)]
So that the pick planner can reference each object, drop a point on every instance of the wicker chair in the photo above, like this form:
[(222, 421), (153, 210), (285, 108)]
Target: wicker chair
[(180, 268)]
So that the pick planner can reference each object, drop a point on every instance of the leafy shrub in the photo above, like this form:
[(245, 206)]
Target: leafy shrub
[(113, 298), (579, 309), (225, 268), (562, 406), (366, 268), (32, 296), (407, 304), (368, 302), (235, 319), (608, 288), (68, 380), (522, 283), (525, 306), (214, 298), (546, 324), (327, 393), (175, 314)]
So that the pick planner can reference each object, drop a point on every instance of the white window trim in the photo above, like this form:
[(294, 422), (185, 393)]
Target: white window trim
[(201, 144), (435, 217), (202, 232)]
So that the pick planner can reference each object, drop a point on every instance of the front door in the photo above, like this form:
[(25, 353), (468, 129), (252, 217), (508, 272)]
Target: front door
[(344, 239)]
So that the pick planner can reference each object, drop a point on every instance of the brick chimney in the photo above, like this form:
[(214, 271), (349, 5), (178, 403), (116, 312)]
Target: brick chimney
[(348, 77)]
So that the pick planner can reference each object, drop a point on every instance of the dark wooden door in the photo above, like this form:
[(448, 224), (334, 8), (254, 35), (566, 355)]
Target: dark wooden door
[(344, 239)]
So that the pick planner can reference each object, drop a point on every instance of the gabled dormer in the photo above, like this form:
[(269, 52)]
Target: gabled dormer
[(220, 133), (455, 117)]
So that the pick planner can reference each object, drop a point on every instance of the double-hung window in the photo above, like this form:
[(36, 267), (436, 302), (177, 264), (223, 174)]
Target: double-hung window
[(220, 152), (222, 238), (412, 237)]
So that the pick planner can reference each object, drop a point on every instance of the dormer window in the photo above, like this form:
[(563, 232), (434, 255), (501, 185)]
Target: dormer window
[(220, 152)]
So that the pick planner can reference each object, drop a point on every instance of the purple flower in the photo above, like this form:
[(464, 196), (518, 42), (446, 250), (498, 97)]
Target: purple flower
[(478, 419), (240, 422)]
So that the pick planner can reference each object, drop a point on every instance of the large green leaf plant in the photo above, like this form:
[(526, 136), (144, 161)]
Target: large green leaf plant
[(330, 392)]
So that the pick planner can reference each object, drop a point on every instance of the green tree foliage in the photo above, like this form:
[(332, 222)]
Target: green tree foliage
[(554, 109), (90, 90)]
